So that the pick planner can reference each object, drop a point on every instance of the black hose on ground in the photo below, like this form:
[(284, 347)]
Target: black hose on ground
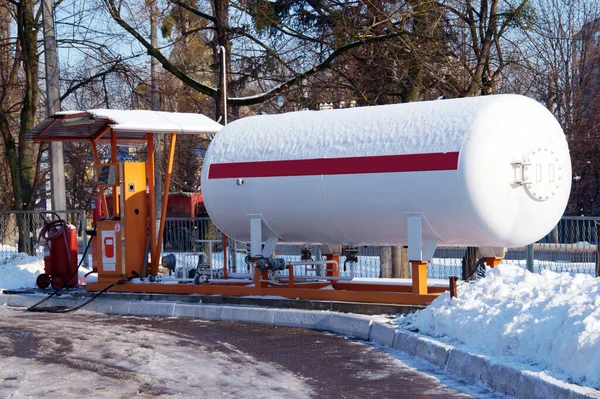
[(65, 309)]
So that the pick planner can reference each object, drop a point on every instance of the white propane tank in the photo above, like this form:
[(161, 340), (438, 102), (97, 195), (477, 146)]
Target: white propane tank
[(484, 171)]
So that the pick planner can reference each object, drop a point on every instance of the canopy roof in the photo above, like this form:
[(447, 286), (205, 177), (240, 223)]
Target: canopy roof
[(130, 125)]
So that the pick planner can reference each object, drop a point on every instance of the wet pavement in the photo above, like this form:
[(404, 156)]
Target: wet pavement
[(103, 356)]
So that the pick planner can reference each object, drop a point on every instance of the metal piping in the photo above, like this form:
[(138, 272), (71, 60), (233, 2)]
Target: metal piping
[(221, 50), (317, 262)]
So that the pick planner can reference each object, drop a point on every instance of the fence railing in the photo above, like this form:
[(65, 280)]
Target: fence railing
[(571, 247), (19, 230)]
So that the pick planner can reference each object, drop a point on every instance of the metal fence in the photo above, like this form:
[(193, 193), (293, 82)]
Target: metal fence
[(571, 247), (19, 230)]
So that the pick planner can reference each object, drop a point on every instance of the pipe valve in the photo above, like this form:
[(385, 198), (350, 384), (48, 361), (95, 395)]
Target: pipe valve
[(305, 254), (272, 264)]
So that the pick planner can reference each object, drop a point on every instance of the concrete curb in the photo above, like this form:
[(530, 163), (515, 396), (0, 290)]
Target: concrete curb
[(472, 367)]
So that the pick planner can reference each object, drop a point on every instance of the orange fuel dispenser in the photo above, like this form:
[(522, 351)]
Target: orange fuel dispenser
[(115, 259)]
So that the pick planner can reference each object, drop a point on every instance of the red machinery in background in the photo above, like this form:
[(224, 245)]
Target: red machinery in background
[(60, 255)]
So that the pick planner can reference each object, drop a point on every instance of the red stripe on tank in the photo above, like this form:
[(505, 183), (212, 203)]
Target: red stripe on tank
[(337, 166)]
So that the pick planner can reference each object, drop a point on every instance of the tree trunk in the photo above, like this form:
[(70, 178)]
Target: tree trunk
[(4, 44), (21, 153), (26, 233), (401, 263), (386, 262), (469, 264)]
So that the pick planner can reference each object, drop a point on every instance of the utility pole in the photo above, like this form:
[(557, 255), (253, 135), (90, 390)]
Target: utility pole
[(57, 162), (155, 103)]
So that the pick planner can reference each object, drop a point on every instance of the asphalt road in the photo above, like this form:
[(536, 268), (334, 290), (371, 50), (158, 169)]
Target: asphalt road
[(86, 354)]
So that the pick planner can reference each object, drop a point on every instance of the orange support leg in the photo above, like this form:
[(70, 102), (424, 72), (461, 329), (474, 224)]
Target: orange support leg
[(291, 274), (492, 262), (453, 287), (331, 271), (419, 278), (260, 278)]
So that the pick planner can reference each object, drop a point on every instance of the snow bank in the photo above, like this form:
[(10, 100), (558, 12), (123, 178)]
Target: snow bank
[(19, 270), (550, 320)]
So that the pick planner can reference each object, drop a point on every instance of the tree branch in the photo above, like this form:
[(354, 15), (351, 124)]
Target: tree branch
[(84, 82), (164, 61), (195, 11), (317, 68)]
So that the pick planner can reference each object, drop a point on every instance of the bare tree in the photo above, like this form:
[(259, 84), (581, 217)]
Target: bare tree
[(19, 101), (563, 48), (300, 53)]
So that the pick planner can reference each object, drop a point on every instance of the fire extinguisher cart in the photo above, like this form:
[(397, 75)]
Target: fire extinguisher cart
[(60, 255)]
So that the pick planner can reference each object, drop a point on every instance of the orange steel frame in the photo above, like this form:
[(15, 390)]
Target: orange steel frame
[(416, 294), (260, 286)]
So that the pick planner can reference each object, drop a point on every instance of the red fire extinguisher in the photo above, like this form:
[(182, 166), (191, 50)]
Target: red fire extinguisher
[(60, 255)]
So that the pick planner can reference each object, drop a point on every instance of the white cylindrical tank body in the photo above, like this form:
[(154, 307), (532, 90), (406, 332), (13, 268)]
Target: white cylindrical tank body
[(485, 171)]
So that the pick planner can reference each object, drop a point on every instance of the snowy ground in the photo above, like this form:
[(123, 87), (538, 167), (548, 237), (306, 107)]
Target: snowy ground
[(547, 322), (99, 356)]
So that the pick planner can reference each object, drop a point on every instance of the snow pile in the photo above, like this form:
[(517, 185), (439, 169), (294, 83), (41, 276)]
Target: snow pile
[(19, 270), (550, 320)]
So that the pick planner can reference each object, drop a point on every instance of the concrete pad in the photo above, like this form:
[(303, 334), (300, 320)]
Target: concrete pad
[(151, 308), (406, 341), (468, 366), (315, 320), (382, 333), (211, 312), (350, 325), (110, 306), (434, 352), (60, 301), (187, 310), (247, 314), (24, 300), (197, 311)]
